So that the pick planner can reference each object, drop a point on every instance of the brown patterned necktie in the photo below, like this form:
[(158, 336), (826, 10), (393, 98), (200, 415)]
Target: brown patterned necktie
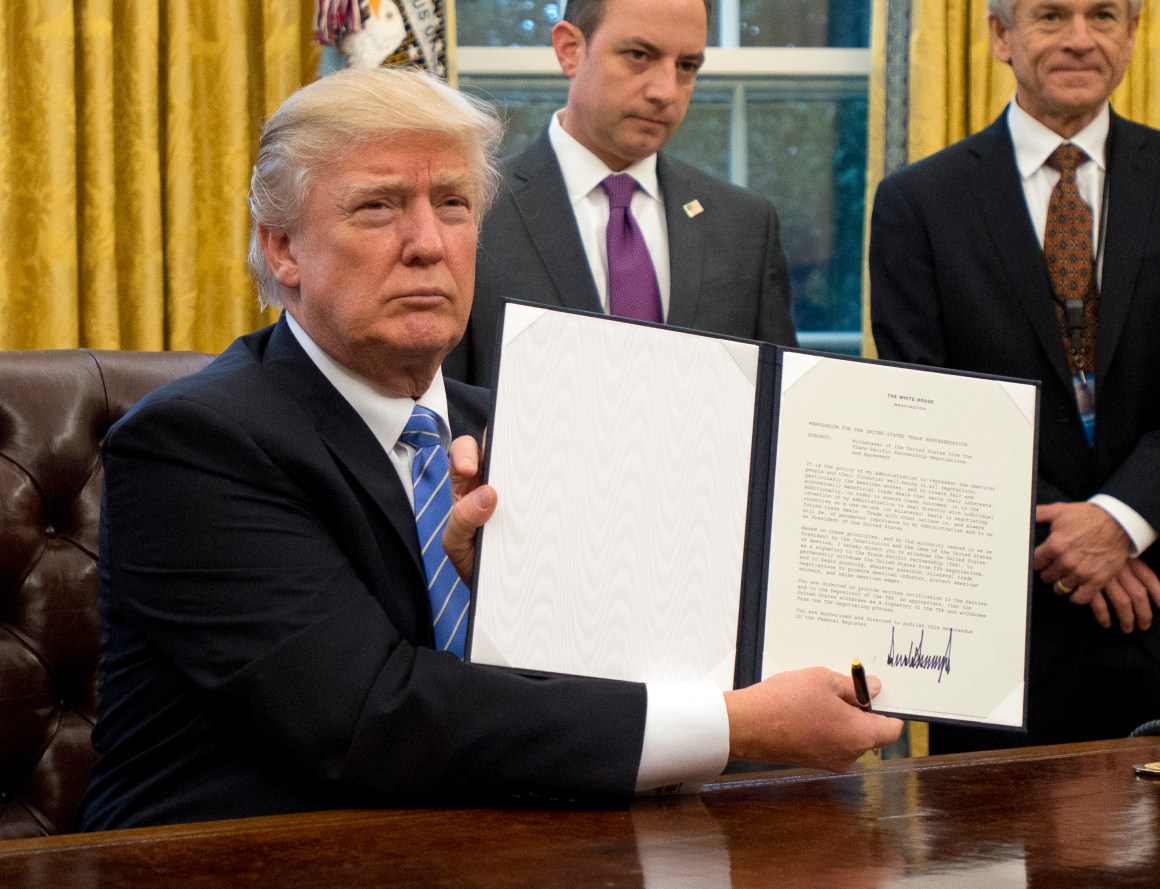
[(1067, 247)]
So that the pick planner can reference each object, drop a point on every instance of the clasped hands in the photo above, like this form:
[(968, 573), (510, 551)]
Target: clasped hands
[(1088, 558)]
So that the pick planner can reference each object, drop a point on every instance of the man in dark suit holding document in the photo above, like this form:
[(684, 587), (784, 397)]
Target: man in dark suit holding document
[(1032, 250), (273, 583)]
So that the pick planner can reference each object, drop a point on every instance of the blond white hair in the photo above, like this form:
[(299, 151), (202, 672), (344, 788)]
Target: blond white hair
[(318, 124)]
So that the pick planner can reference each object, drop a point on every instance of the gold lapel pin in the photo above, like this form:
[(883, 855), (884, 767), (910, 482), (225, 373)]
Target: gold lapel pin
[(693, 208)]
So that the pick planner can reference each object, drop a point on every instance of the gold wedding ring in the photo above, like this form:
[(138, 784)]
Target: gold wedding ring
[(1063, 590)]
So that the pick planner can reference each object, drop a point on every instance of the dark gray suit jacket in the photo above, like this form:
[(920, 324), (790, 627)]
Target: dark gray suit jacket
[(267, 633), (727, 266), (958, 280)]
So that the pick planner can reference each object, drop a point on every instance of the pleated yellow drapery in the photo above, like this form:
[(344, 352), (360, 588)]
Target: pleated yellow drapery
[(127, 133), (954, 88)]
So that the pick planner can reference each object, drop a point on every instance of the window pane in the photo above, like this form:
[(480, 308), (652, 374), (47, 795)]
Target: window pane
[(839, 23), (524, 106), (808, 156), (506, 22)]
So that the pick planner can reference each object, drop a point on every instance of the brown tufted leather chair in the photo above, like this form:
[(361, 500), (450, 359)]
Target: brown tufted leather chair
[(55, 407)]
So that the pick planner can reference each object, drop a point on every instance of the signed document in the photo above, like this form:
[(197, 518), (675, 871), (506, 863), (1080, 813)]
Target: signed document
[(678, 506), (901, 534)]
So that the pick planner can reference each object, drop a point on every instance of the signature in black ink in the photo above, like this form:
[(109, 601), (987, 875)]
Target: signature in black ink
[(915, 659)]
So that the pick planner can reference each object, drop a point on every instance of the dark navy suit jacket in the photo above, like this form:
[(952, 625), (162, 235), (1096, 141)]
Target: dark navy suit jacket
[(267, 640)]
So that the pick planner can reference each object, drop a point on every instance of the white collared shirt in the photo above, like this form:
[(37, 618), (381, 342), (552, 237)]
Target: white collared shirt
[(385, 414), (1034, 143), (583, 172), (686, 734)]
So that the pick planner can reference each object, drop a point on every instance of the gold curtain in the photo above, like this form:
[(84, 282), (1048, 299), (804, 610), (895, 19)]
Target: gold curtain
[(127, 133), (956, 88), (933, 82)]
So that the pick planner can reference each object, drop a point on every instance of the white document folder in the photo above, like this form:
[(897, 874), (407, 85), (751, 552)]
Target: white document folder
[(643, 472)]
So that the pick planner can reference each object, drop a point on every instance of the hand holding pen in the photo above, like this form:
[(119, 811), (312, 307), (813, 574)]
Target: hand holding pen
[(862, 690), (861, 686)]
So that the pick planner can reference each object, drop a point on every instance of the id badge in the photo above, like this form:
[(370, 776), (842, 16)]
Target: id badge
[(1085, 399)]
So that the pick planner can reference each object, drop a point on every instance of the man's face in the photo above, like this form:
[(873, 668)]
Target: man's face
[(381, 268), (1067, 55), (631, 83)]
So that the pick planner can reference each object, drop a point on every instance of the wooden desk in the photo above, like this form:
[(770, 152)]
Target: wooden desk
[(1064, 816)]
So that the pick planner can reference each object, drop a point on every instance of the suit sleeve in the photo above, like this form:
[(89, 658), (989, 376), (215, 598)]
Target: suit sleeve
[(222, 555), (904, 298), (775, 317), (1136, 481)]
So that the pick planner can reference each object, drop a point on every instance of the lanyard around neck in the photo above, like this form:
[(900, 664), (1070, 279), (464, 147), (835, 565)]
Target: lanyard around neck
[(1073, 309)]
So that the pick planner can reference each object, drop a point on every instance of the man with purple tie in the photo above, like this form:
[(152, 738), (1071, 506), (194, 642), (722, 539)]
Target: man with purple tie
[(714, 249)]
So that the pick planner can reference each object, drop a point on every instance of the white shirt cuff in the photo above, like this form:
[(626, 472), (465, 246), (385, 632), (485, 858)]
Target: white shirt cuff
[(1135, 525), (686, 737)]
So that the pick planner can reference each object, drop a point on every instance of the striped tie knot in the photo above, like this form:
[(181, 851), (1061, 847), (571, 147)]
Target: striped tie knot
[(422, 429)]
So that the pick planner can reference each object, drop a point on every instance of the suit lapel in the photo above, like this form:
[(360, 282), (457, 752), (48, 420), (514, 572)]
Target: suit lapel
[(686, 244), (542, 200), (366, 463), (997, 190), (1132, 179), (345, 435)]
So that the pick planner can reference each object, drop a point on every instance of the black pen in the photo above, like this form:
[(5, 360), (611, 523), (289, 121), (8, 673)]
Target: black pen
[(861, 689)]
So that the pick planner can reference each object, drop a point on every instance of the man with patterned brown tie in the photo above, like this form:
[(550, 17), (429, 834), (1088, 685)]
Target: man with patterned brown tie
[(1032, 249), (704, 254)]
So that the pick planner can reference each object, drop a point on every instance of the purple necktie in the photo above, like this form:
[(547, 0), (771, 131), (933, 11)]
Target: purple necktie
[(632, 281)]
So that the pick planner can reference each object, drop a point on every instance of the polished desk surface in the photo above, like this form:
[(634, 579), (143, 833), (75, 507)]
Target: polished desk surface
[(1067, 816)]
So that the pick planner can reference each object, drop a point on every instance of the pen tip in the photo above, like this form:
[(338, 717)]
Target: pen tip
[(856, 663)]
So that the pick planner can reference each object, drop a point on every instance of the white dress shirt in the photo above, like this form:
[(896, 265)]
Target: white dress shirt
[(686, 732), (385, 414), (1034, 144), (583, 172)]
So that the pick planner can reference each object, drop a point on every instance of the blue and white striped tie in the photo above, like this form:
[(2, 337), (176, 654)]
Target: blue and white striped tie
[(432, 485)]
